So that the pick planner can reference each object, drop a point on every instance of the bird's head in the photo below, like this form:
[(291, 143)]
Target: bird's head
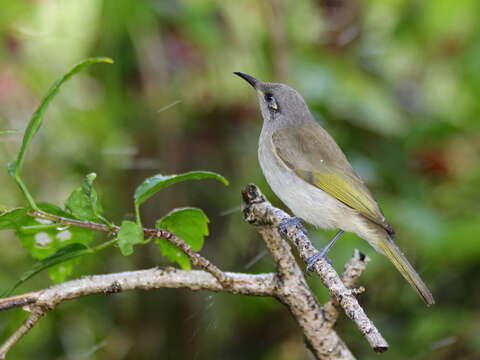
[(280, 104)]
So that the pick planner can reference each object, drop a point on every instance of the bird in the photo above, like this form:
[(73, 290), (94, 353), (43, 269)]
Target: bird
[(309, 172)]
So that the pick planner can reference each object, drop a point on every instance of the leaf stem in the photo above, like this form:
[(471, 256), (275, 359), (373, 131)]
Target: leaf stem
[(137, 214), (35, 228), (102, 246), (25, 192), (15, 167)]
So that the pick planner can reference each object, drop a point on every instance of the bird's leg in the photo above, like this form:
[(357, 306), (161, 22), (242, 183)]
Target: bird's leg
[(323, 253), (292, 221)]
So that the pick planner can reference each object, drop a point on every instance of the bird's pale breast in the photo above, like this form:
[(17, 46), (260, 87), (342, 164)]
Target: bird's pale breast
[(306, 201)]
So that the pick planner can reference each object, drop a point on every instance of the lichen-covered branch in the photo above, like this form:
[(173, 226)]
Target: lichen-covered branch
[(260, 211), (294, 292), (39, 302), (156, 278), (352, 271)]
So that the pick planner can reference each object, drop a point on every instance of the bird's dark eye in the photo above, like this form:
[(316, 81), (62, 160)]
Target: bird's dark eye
[(269, 98), (271, 102)]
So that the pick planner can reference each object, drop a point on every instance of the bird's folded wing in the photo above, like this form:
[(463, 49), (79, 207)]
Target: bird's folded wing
[(310, 152)]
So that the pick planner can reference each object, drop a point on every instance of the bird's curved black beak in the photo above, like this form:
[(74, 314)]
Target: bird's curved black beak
[(248, 78)]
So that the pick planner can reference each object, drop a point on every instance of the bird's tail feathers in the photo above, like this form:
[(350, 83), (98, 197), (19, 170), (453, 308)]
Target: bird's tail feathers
[(391, 250)]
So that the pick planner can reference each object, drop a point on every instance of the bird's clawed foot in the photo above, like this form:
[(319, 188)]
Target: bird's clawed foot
[(292, 221), (323, 253), (312, 260)]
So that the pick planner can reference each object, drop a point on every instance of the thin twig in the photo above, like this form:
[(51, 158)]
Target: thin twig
[(18, 301), (195, 258), (352, 271), (36, 314)]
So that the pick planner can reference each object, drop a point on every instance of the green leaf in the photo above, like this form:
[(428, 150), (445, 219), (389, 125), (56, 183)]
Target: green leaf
[(83, 202), (15, 167), (14, 218), (157, 182), (63, 254), (36, 119), (60, 272), (92, 193), (78, 204), (42, 238), (130, 234), (191, 225), (174, 254)]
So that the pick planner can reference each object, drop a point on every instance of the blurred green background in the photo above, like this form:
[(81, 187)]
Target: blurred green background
[(396, 83)]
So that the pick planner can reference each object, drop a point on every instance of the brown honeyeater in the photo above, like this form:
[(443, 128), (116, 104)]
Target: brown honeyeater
[(308, 171)]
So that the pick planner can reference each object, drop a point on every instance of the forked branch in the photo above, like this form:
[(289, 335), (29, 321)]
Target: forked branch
[(260, 211), (288, 284)]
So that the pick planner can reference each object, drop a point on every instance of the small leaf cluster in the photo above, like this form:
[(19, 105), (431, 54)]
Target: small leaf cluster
[(59, 247)]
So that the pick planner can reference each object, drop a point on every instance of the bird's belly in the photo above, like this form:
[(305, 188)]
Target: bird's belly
[(305, 200)]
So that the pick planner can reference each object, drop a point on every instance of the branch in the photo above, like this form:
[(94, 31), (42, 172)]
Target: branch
[(294, 291), (34, 317), (259, 211), (288, 285), (352, 271), (40, 302), (194, 257)]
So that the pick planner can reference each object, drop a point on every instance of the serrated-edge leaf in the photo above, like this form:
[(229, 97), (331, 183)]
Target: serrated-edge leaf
[(183, 216), (36, 119), (177, 222), (78, 203), (84, 203), (157, 182), (61, 255)]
